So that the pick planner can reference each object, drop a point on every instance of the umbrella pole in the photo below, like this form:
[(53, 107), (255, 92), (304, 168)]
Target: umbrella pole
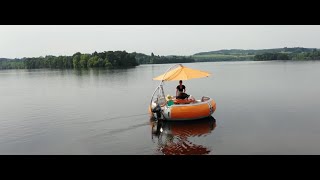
[(160, 85)]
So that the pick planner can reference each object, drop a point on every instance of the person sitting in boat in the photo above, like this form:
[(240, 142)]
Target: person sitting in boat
[(181, 91)]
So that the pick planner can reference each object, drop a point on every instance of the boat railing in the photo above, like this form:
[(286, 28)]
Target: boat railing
[(158, 97)]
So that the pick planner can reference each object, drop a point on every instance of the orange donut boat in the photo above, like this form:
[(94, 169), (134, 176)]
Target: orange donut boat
[(182, 109), (186, 110)]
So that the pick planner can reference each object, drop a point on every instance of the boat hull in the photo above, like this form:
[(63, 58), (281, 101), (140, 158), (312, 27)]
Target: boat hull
[(192, 111)]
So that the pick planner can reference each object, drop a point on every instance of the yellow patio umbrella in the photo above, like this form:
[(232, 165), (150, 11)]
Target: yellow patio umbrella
[(182, 73)]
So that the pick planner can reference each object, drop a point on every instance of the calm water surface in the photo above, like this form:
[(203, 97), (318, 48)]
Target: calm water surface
[(262, 108)]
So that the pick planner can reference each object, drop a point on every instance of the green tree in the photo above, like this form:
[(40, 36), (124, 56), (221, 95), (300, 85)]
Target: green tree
[(84, 60), (76, 61), (107, 63), (93, 62)]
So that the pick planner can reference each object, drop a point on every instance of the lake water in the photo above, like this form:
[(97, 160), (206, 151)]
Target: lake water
[(262, 108)]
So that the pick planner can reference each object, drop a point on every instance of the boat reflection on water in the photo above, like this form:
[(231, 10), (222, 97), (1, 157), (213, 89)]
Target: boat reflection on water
[(174, 137)]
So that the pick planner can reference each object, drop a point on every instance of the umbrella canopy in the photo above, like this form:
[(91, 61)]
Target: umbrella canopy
[(182, 73)]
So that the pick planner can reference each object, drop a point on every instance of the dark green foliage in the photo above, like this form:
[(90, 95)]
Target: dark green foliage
[(145, 59), (298, 55), (12, 64), (271, 56), (105, 59)]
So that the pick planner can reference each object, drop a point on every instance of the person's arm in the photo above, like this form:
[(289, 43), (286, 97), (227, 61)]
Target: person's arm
[(177, 92), (184, 90)]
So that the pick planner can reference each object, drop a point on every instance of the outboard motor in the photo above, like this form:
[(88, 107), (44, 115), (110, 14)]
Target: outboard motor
[(157, 110)]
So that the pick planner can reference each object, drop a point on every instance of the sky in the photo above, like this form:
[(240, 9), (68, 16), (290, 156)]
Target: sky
[(41, 40)]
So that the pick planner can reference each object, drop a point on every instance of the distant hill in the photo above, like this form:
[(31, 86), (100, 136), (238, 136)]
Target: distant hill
[(258, 51), (244, 55)]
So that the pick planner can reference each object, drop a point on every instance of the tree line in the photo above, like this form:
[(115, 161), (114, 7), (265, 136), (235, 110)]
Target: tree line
[(106, 59), (200, 58), (78, 60), (271, 56), (293, 50), (116, 59), (12, 64), (311, 55), (145, 59)]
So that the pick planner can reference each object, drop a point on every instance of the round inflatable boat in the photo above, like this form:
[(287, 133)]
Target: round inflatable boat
[(181, 109)]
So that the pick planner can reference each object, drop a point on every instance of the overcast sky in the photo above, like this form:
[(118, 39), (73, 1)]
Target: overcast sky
[(34, 41)]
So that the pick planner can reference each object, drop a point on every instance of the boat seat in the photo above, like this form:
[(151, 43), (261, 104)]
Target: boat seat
[(183, 101)]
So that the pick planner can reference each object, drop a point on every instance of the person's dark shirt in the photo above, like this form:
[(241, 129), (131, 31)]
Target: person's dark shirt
[(181, 89)]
